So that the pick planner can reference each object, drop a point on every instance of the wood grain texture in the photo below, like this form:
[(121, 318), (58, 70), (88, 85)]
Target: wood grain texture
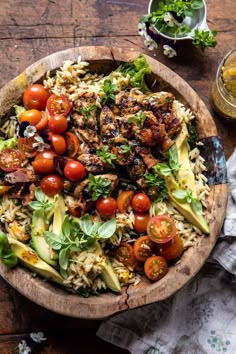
[(102, 59), (30, 30)]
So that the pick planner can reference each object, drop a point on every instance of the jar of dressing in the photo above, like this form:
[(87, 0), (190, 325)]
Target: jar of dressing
[(223, 92)]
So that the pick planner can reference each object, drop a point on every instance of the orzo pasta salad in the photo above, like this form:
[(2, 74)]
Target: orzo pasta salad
[(101, 179)]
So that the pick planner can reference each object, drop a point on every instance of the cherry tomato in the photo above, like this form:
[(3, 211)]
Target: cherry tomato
[(33, 116), (106, 206), (51, 185), (43, 162), (35, 97), (155, 268), (143, 248), (42, 124), (10, 159), (141, 203), (25, 145), (172, 249), (141, 222), (124, 200), (124, 253), (57, 123), (72, 144), (161, 229), (58, 143), (58, 104), (74, 170)]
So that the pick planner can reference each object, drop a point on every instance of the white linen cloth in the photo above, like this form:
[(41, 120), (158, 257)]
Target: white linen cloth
[(201, 317)]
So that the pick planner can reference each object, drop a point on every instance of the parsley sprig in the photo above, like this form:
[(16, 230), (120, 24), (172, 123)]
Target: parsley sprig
[(107, 156), (87, 110), (108, 89), (204, 39), (138, 118), (100, 186)]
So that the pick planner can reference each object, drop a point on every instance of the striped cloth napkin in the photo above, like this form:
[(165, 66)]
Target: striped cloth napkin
[(201, 317)]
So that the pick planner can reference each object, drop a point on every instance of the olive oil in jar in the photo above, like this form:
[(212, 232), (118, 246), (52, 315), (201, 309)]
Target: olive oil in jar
[(223, 92)]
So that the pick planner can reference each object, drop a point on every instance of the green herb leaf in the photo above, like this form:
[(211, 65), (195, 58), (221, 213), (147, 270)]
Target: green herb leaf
[(7, 256), (65, 227), (204, 39), (186, 196), (107, 229), (106, 156), (158, 183), (19, 110), (125, 148), (53, 240), (179, 194), (108, 89), (138, 118), (87, 110), (162, 169), (64, 257), (100, 186), (86, 224), (196, 205), (196, 4), (173, 158), (39, 195)]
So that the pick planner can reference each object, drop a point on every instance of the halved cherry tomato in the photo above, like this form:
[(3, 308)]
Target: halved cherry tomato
[(10, 159), (72, 144), (141, 222), (124, 253), (106, 206), (141, 203), (143, 248), (33, 116), (74, 170), (51, 185), (155, 268), (172, 249), (58, 143), (161, 229), (25, 145), (42, 124), (124, 200), (57, 123), (35, 97), (43, 162), (58, 104)]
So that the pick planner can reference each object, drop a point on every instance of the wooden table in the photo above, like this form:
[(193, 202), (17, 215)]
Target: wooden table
[(30, 30)]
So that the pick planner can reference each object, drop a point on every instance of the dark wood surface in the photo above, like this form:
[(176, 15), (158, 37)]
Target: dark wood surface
[(30, 30)]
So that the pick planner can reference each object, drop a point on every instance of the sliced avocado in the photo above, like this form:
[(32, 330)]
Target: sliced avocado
[(32, 261), (185, 175), (38, 241), (58, 215), (184, 208), (108, 275)]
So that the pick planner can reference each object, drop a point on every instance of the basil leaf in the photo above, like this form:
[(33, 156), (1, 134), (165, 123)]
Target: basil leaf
[(65, 227), (39, 195), (196, 205), (7, 256), (179, 194), (107, 229), (64, 258), (53, 240), (196, 4), (36, 205), (162, 169), (86, 224)]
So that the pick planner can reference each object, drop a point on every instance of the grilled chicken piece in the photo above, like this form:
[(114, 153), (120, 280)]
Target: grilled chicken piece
[(150, 119), (82, 185), (129, 103), (109, 128), (123, 150), (125, 127), (147, 156), (160, 101), (22, 175), (137, 169), (92, 163)]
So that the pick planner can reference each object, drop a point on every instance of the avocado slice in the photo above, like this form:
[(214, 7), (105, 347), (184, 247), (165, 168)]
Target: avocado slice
[(38, 241), (108, 275), (31, 260), (185, 175), (185, 208), (58, 215)]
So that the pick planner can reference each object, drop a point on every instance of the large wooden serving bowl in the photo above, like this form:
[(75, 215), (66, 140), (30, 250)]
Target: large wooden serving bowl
[(103, 60)]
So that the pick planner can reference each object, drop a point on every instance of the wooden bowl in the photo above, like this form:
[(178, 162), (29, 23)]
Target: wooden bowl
[(50, 296)]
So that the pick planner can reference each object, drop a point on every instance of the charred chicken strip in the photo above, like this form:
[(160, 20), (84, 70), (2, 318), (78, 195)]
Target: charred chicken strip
[(81, 186), (92, 163), (109, 128)]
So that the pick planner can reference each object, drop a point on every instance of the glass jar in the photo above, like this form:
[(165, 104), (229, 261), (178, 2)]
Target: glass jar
[(223, 92)]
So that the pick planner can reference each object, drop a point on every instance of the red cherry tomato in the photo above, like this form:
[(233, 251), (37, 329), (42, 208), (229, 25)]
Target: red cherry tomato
[(58, 143), (155, 268), (161, 229), (33, 116), (25, 145), (57, 123), (58, 104), (172, 249), (10, 159), (51, 185), (124, 253), (72, 144), (143, 248), (74, 170), (35, 97), (43, 162), (124, 200), (141, 222), (141, 203), (106, 206), (42, 124)]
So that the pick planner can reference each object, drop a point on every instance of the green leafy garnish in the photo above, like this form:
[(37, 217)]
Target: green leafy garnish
[(193, 135), (78, 234), (172, 155), (125, 148), (162, 169), (108, 89), (87, 110), (19, 110), (100, 186), (153, 180), (204, 39), (8, 143), (43, 203), (106, 156), (136, 70), (138, 118), (7, 256), (186, 196)]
